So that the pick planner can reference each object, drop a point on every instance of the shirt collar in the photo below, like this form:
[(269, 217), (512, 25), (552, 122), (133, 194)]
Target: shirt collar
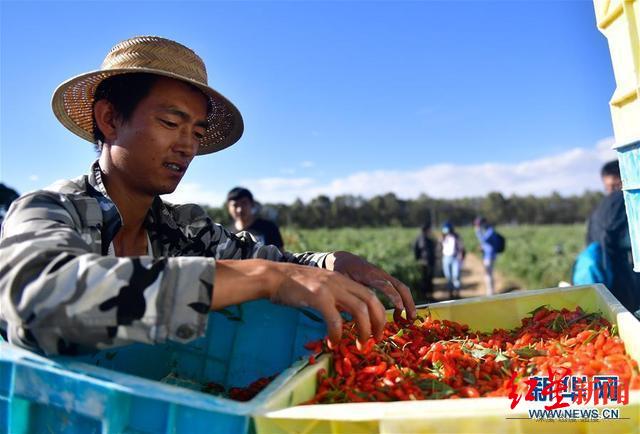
[(158, 219), (95, 179), (111, 219)]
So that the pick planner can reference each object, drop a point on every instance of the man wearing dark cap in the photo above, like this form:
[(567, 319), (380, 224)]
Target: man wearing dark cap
[(243, 211)]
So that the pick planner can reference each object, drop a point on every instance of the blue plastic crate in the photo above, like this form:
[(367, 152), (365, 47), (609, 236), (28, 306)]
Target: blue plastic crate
[(632, 205), (117, 391), (629, 158)]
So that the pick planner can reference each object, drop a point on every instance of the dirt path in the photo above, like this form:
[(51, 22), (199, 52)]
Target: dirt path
[(473, 283)]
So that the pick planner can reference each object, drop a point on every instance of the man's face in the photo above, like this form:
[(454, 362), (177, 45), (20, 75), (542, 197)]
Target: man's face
[(153, 149), (611, 183), (241, 209)]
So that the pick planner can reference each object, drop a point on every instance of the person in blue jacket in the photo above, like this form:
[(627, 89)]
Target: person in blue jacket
[(486, 235), (607, 258)]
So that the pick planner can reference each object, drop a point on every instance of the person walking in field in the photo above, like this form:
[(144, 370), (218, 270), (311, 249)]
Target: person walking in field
[(101, 260), (452, 257), (424, 250), (491, 244)]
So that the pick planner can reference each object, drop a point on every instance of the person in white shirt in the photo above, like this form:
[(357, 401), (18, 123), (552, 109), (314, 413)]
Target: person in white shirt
[(452, 256)]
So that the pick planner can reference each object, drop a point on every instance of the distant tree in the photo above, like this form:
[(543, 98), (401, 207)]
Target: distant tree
[(389, 210), (320, 212), (495, 207)]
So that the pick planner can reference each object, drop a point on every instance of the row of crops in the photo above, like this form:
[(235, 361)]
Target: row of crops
[(536, 256)]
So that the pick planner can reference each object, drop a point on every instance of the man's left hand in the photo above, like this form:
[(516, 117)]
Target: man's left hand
[(367, 274)]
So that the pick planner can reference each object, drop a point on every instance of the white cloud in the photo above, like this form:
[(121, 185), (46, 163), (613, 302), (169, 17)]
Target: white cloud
[(568, 172), (193, 192), (307, 164), (34, 178), (303, 164), (277, 184)]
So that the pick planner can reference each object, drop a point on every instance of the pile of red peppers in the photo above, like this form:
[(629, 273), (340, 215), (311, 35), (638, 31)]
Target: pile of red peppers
[(434, 359)]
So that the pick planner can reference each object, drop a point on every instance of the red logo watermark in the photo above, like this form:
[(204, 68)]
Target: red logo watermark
[(559, 385)]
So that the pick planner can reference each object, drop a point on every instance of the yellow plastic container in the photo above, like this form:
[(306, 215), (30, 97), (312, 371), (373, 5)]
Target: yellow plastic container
[(282, 415), (619, 21)]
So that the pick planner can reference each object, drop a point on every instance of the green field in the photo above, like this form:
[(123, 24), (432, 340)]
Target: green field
[(536, 256)]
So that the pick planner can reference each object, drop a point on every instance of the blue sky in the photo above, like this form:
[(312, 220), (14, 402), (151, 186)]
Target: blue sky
[(446, 98)]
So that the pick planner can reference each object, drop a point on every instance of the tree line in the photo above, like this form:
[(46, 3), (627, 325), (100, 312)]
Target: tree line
[(389, 210)]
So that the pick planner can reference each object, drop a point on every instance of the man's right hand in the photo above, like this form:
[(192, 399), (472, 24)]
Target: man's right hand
[(328, 292)]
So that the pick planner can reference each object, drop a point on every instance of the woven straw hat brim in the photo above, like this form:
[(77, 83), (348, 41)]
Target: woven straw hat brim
[(72, 104)]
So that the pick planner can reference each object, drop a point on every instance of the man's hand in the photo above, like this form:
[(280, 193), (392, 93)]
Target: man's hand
[(365, 273), (237, 281)]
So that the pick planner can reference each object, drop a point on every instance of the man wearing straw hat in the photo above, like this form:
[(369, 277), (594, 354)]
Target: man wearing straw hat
[(101, 260)]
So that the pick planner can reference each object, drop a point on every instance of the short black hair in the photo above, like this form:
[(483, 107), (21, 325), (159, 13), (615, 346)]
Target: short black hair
[(124, 92), (427, 222), (480, 221), (612, 168), (237, 193)]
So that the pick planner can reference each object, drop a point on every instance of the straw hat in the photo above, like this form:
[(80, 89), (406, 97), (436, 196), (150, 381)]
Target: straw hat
[(73, 100)]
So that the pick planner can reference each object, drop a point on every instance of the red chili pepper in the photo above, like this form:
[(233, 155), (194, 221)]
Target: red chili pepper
[(315, 346), (412, 356), (398, 318), (376, 369), (338, 367), (469, 392), (249, 392), (347, 368)]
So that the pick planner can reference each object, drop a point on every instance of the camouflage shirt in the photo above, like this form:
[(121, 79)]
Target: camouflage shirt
[(61, 292)]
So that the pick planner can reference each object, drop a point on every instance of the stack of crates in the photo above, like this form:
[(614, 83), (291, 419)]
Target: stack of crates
[(117, 391), (619, 21)]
